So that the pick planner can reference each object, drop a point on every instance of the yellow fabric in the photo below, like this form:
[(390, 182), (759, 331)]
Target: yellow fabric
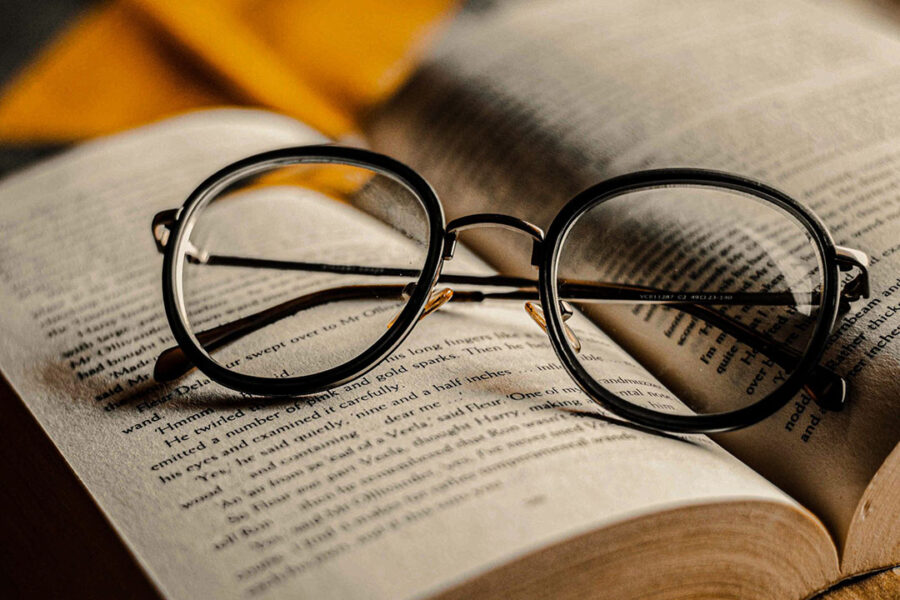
[(324, 62)]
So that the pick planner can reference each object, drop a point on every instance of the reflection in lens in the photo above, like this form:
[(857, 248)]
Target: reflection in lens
[(285, 276), (715, 292)]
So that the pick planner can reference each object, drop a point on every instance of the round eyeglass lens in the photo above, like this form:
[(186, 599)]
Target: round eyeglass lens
[(689, 300), (293, 269)]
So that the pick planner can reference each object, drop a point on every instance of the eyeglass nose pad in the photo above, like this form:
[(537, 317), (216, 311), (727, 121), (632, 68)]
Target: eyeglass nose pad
[(537, 315), (437, 299)]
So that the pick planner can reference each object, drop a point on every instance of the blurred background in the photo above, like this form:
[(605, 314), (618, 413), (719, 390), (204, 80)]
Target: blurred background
[(75, 69)]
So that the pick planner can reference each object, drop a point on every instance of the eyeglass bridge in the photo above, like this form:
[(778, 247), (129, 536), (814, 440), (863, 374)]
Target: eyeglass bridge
[(537, 248), (507, 222)]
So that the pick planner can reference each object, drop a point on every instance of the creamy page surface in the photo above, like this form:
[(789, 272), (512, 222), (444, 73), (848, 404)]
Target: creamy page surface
[(451, 457), (533, 102)]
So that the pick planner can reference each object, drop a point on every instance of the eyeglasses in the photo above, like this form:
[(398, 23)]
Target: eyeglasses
[(296, 271)]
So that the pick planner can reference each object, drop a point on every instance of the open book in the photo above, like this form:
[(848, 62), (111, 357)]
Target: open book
[(452, 470)]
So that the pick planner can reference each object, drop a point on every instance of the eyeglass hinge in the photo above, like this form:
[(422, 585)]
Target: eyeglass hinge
[(858, 287), (162, 227)]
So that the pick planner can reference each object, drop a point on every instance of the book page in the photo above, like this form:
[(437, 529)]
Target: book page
[(525, 104), (448, 459)]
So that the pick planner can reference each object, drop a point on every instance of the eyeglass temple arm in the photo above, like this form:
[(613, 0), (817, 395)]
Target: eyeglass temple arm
[(827, 388), (847, 259), (575, 291), (172, 363)]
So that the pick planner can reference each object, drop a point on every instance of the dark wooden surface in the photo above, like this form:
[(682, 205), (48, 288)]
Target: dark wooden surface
[(54, 541)]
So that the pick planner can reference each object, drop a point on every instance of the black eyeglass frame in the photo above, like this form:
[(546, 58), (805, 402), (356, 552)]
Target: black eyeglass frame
[(639, 180), (173, 298), (545, 255)]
